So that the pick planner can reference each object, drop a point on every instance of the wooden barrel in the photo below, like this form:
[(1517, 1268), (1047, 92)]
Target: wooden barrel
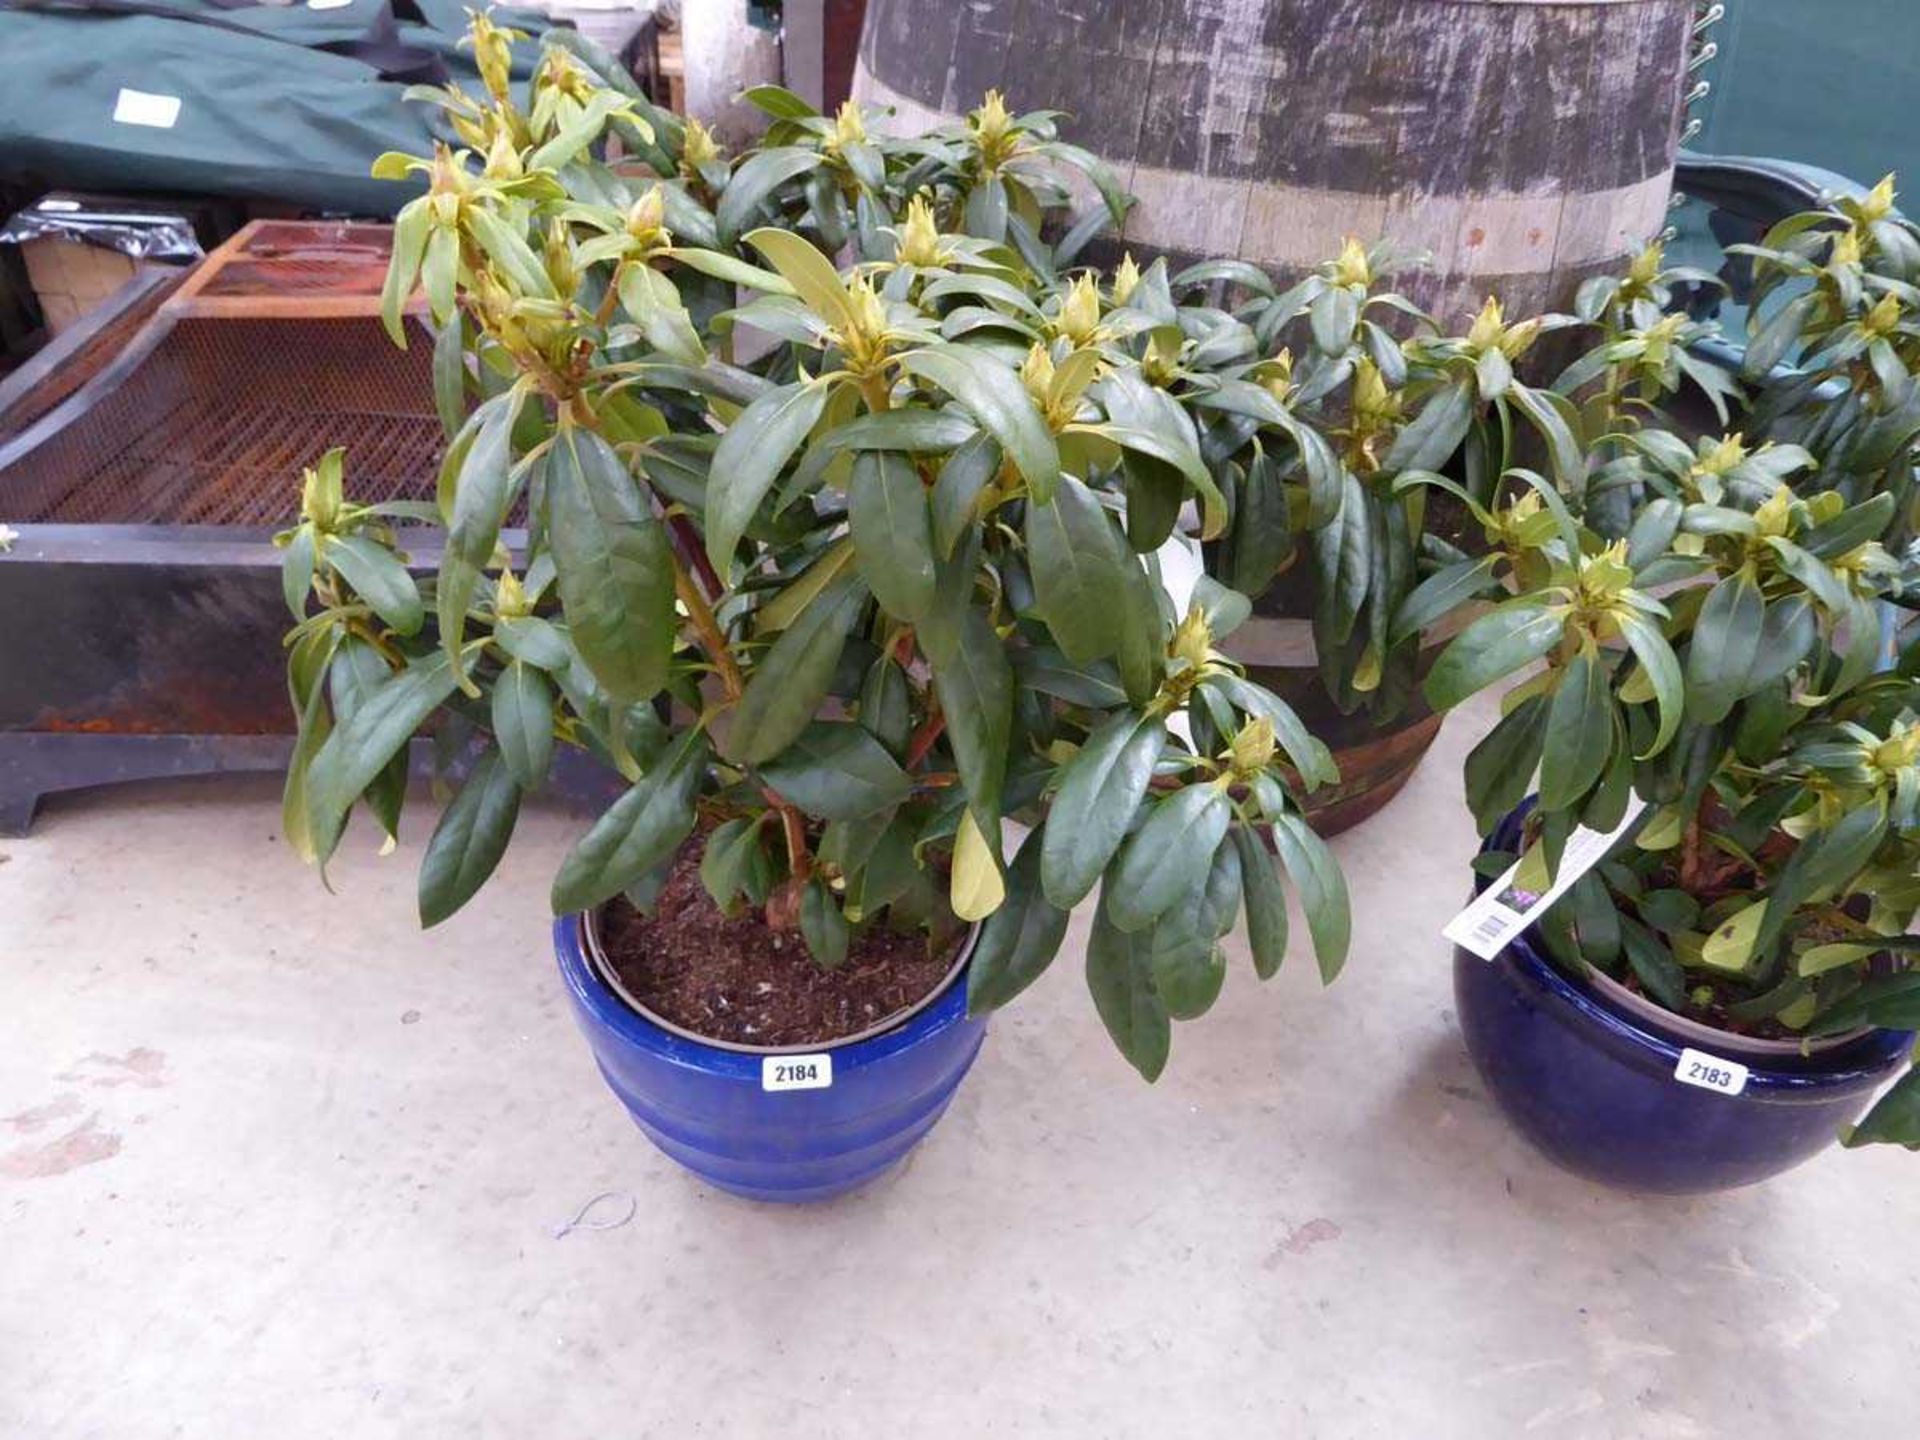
[(1524, 144), (1376, 755)]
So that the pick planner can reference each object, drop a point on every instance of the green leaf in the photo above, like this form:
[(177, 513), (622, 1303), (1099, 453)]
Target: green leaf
[(1428, 441), (1544, 409), (966, 474), (974, 683), (1890, 1002), (750, 457), (1579, 732), (778, 101), (1492, 648), (469, 840), (1725, 645), (1120, 978), (733, 271), (440, 273), (1768, 344), (1662, 669), (810, 273), (728, 863), (1440, 594), (656, 307), (993, 394), (523, 723), (639, 831), (614, 567), (1183, 945), (475, 508), (1659, 973), (1078, 559), (378, 577), (793, 677), (1733, 944), (1499, 770), (823, 926), (1100, 789), (579, 133), (1323, 891), (1894, 1119), (1262, 528), (1343, 566), (310, 658), (892, 533), (510, 253), (1019, 940), (296, 571), (365, 742), (885, 706), (835, 770), (410, 229), (757, 177), (1266, 902), (450, 374), (1165, 862)]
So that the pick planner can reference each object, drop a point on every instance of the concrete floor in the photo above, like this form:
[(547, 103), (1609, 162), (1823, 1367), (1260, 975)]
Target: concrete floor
[(279, 1164)]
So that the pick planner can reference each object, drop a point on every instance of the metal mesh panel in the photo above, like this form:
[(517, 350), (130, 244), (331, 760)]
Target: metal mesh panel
[(215, 425)]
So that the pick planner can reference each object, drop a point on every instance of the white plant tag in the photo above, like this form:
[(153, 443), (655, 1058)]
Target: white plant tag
[(140, 107), (1710, 1072), (1503, 910), (796, 1072)]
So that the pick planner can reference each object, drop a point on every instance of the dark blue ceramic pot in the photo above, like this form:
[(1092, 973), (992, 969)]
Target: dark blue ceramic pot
[(1593, 1086), (711, 1109)]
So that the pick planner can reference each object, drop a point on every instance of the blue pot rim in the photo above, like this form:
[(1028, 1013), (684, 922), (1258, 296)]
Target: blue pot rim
[(947, 1009), (1860, 1065)]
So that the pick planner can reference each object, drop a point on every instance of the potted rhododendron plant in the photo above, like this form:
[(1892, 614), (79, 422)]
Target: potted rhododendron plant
[(833, 614)]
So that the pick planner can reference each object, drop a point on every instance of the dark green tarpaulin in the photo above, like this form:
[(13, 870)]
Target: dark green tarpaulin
[(187, 96)]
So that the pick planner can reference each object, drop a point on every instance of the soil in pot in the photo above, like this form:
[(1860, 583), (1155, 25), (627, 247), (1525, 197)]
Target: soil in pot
[(737, 980)]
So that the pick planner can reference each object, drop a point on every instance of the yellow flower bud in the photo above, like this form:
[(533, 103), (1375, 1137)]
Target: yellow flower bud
[(1884, 318), (1277, 374), (991, 121), (1036, 373), (321, 492), (509, 597), (1253, 747), (1646, 265), (1352, 267), (1079, 312), (919, 235), (1724, 456), (1126, 279), (1193, 639), (1879, 202), (1846, 248), (1371, 398), (849, 126), (698, 147), (646, 218), (503, 158), (1775, 515), (1488, 326)]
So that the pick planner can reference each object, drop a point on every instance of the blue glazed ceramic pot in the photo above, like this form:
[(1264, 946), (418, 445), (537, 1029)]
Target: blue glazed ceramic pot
[(708, 1108), (1593, 1087)]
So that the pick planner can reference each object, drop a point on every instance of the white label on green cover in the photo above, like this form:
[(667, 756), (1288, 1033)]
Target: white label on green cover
[(142, 107), (796, 1072), (1710, 1072)]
